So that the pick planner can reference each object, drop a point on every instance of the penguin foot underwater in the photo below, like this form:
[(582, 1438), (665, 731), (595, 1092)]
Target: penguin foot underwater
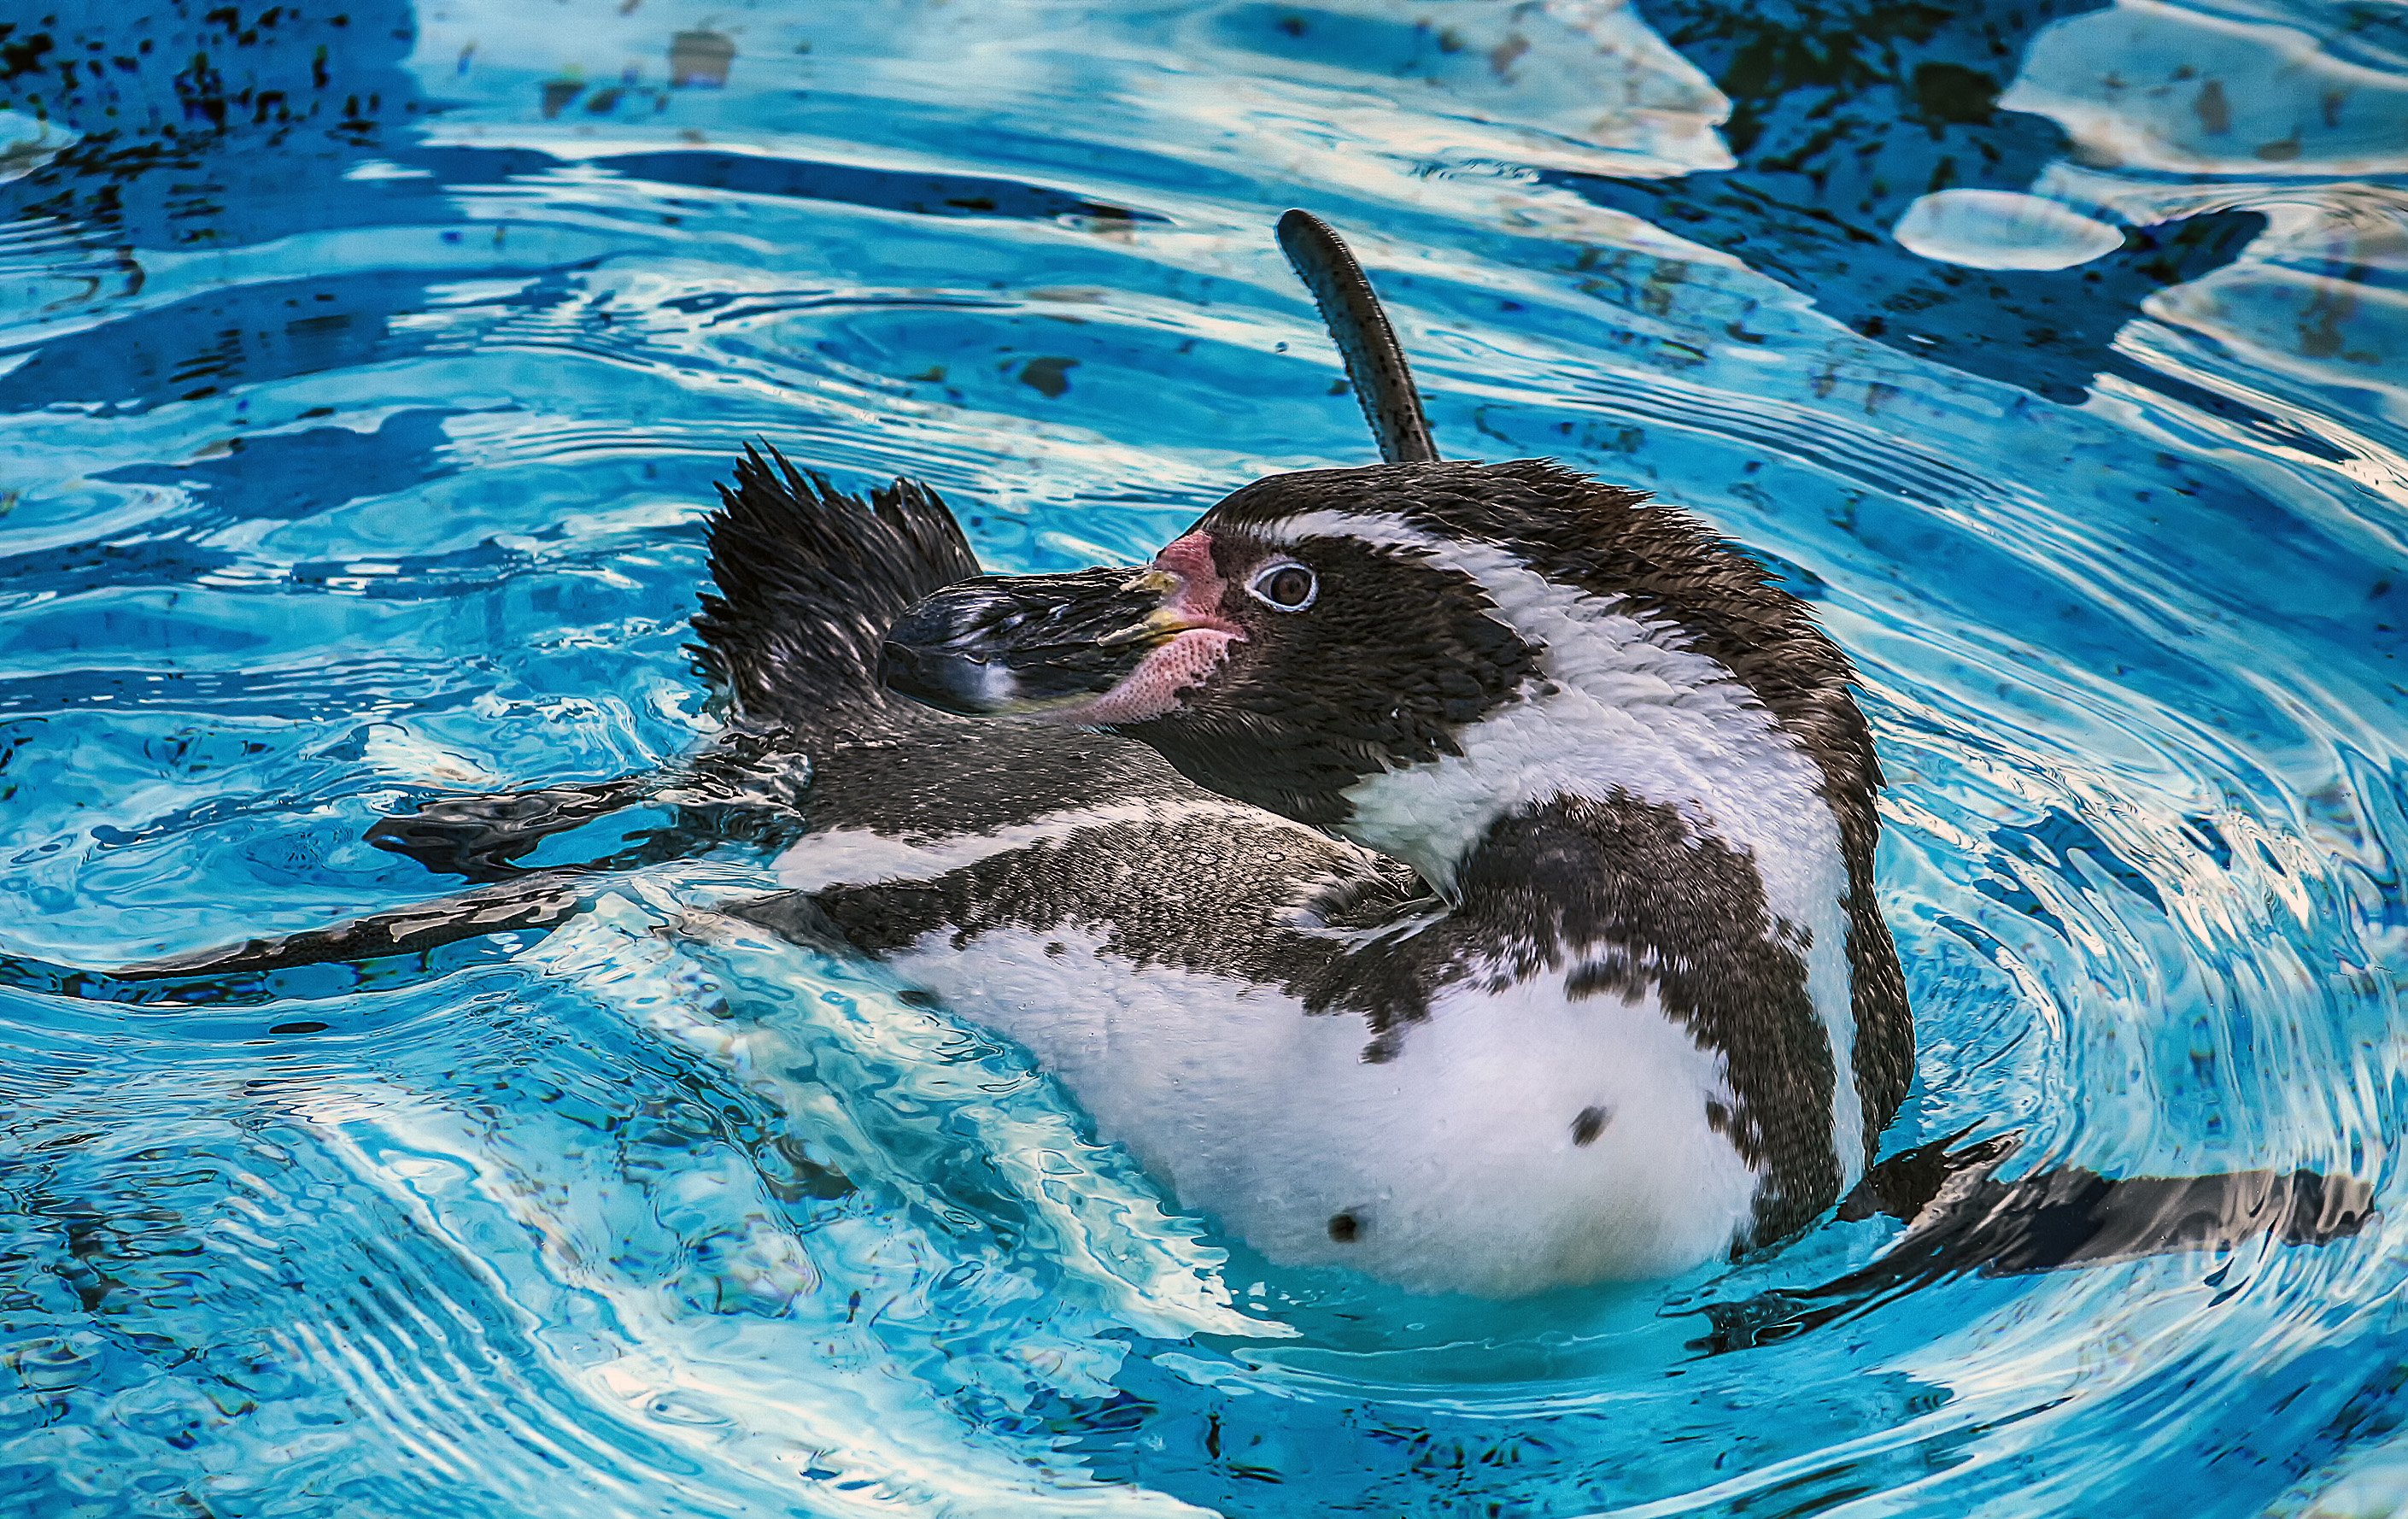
[(1961, 1220), (1458, 872)]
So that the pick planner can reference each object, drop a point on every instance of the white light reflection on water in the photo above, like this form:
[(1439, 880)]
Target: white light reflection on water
[(356, 443)]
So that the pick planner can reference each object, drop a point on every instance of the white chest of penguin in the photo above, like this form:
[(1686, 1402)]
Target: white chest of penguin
[(1518, 1140), (1520, 1135)]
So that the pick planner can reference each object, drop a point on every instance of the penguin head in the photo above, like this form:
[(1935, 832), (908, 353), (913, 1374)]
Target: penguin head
[(1316, 630)]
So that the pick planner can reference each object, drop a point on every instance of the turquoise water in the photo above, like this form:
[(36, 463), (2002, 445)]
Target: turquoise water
[(364, 376)]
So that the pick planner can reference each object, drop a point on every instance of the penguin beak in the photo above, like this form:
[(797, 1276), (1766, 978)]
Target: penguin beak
[(1056, 645)]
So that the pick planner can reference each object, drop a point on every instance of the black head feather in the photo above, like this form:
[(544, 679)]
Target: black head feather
[(809, 578)]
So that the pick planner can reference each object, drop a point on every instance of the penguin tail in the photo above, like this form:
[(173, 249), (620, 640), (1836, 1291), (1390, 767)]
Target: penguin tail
[(809, 579)]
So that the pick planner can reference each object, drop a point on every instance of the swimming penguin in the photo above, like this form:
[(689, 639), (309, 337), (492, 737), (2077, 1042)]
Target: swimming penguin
[(1657, 1015), (1459, 872)]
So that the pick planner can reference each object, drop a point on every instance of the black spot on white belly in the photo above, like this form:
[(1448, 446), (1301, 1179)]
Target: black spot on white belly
[(1621, 896), (1588, 1123), (1345, 1228), (1639, 904)]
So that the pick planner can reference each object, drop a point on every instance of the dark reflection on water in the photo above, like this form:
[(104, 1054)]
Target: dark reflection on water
[(1842, 116)]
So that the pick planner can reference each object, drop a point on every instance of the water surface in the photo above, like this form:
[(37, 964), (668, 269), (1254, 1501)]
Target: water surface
[(364, 372)]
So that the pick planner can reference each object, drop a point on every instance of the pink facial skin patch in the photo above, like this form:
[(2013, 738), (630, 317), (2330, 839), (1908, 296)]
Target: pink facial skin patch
[(1151, 690)]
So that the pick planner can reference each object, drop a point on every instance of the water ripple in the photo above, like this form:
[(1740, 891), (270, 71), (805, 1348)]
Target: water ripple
[(361, 389)]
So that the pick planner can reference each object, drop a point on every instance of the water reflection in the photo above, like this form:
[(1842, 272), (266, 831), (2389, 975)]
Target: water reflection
[(367, 372)]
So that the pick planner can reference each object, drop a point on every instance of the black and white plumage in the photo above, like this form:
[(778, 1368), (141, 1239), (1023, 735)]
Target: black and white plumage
[(1655, 1015), (1474, 887)]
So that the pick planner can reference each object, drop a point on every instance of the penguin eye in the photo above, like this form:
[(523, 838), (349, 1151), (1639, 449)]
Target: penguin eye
[(1287, 586)]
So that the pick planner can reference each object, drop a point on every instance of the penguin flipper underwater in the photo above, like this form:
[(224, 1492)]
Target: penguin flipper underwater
[(1961, 1220), (809, 577)]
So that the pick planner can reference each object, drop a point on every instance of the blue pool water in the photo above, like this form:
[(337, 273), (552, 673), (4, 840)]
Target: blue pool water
[(365, 371)]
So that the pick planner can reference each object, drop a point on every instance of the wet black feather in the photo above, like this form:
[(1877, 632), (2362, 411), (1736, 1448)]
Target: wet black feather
[(810, 578)]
